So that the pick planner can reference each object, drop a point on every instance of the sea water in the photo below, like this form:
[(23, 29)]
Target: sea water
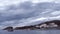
[(31, 32)]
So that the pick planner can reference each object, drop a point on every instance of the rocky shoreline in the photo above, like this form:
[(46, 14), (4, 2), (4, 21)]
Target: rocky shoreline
[(48, 25)]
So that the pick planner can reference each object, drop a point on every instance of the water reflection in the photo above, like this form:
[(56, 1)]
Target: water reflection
[(31, 32)]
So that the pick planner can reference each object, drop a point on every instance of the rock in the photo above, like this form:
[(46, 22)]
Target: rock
[(9, 28), (24, 28)]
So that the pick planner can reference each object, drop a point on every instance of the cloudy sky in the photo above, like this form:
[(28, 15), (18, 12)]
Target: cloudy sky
[(28, 12)]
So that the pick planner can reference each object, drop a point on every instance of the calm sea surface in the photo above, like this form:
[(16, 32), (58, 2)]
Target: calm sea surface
[(31, 32)]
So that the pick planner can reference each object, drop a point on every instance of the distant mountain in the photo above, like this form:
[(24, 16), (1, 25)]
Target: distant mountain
[(54, 24)]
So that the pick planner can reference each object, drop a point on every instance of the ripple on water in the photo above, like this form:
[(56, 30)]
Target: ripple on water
[(31, 32)]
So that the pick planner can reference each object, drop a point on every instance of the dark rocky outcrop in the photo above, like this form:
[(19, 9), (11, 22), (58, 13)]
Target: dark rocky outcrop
[(10, 29), (25, 27)]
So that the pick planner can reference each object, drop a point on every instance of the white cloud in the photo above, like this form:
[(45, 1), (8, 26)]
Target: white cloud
[(7, 2), (10, 2), (47, 11), (56, 13), (13, 2), (39, 1), (57, 1)]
